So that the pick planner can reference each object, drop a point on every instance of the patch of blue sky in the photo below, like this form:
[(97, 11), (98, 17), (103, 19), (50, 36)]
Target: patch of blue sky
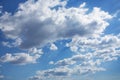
[(17, 72), (10, 6), (61, 53)]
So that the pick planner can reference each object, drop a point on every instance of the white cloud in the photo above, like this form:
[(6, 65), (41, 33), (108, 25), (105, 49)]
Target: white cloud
[(20, 58), (74, 59), (37, 24), (101, 43), (102, 49), (96, 51), (35, 51), (53, 47), (80, 64), (51, 62), (65, 62), (52, 73), (65, 72)]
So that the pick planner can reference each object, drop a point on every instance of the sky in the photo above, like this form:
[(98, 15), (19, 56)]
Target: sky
[(59, 40)]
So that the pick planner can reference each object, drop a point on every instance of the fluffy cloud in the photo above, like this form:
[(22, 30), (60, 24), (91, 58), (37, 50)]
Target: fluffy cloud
[(37, 24), (65, 72), (102, 49), (100, 45), (53, 47), (35, 51), (19, 58), (90, 54), (22, 58), (52, 73), (74, 59), (46, 21)]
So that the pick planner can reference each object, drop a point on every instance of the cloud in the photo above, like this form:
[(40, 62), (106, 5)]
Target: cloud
[(53, 47), (52, 73), (19, 58), (15, 43), (101, 43), (73, 60), (45, 21), (64, 72), (79, 64), (101, 49), (35, 51), (37, 24), (1, 76), (51, 62), (91, 53)]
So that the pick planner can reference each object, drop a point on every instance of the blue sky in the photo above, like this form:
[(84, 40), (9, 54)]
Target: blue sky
[(59, 40)]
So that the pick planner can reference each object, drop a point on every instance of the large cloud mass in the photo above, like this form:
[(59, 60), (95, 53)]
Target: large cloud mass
[(41, 22)]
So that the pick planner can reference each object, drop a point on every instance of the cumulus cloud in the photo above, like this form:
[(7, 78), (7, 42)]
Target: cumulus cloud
[(19, 58), (90, 54), (52, 73), (53, 47), (35, 51), (73, 60), (37, 24), (100, 45), (64, 72), (102, 49)]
